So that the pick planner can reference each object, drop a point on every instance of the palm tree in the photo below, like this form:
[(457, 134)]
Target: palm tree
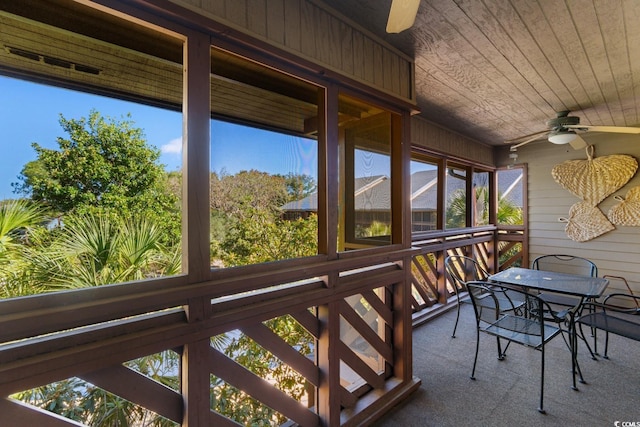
[(17, 219), (456, 213), (17, 215), (508, 213), (94, 250)]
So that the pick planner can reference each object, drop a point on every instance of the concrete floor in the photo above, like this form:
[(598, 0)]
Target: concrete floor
[(506, 392)]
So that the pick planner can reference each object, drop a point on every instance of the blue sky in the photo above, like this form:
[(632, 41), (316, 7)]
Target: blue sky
[(30, 112)]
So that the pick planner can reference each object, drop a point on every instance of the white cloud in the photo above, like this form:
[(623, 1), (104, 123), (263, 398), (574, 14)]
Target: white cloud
[(173, 147)]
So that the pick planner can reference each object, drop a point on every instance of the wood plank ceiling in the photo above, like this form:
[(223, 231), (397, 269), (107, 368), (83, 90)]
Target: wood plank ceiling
[(499, 69)]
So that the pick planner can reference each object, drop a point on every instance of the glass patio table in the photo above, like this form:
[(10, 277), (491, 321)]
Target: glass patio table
[(584, 287)]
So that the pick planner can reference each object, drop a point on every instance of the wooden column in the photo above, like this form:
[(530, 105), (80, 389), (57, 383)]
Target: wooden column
[(329, 364), (196, 157), (328, 398), (401, 204)]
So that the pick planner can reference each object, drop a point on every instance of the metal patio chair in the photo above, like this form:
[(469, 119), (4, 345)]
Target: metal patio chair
[(618, 313), (462, 269), (530, 329), (564, 264)]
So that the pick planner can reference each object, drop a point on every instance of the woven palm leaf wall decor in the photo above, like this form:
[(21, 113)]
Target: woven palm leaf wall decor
[(627, 211), (593, 180), (585, 222)]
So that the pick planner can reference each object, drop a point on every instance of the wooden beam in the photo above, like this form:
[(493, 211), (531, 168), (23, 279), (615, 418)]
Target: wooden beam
[(18, 414), (245, 380), (139, 389), (283, 351), (329, 392)]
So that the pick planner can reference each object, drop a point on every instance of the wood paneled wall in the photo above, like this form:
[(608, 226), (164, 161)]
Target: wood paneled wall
[(616, 252), (433, 137), (313, 31)]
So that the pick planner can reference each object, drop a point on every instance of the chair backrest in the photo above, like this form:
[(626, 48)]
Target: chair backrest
[(485, 302), (463, 269), (501, 300), (627, 303), (616, 282), (565, 264)]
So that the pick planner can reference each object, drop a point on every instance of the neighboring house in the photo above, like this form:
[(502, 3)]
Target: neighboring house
[(510, 186), (301, 208), (424, 200), (372, 197)]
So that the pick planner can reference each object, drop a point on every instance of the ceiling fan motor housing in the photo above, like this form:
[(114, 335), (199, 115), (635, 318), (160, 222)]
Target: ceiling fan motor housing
[(562, 120)]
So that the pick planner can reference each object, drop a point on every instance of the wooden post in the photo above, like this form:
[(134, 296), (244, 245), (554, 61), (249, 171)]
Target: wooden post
[(196, 156), (401, 205), (196, 384), (196, 110), (329, 364)]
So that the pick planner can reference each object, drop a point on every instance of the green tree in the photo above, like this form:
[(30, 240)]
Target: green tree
[(261, 238), (509, 213), (299, 186), (456, 213), (16, 217), (238, 196), (238, 203), (62, 397), (103, 163), (374, 229)]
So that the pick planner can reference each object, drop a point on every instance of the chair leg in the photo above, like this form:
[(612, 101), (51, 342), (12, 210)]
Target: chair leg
[(581, 378), (606, 345), (500, 354), (457, 318), (593, 353), (475, 359), (594, 334)]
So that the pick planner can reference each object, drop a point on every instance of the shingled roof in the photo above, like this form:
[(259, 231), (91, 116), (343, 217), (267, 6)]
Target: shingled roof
[(373, 193)]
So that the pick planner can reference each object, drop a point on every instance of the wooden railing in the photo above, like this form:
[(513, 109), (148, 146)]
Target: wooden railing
[(345, 378), (430, 284), (512, 247), (95, 334)]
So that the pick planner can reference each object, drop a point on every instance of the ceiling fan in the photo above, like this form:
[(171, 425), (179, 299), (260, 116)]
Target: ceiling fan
[(563, 130), (402, 15)]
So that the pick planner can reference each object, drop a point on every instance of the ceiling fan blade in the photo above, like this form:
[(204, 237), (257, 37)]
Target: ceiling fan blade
[(612, 129), (578, 143), (526, 141), (508, 141), (402, 15)]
